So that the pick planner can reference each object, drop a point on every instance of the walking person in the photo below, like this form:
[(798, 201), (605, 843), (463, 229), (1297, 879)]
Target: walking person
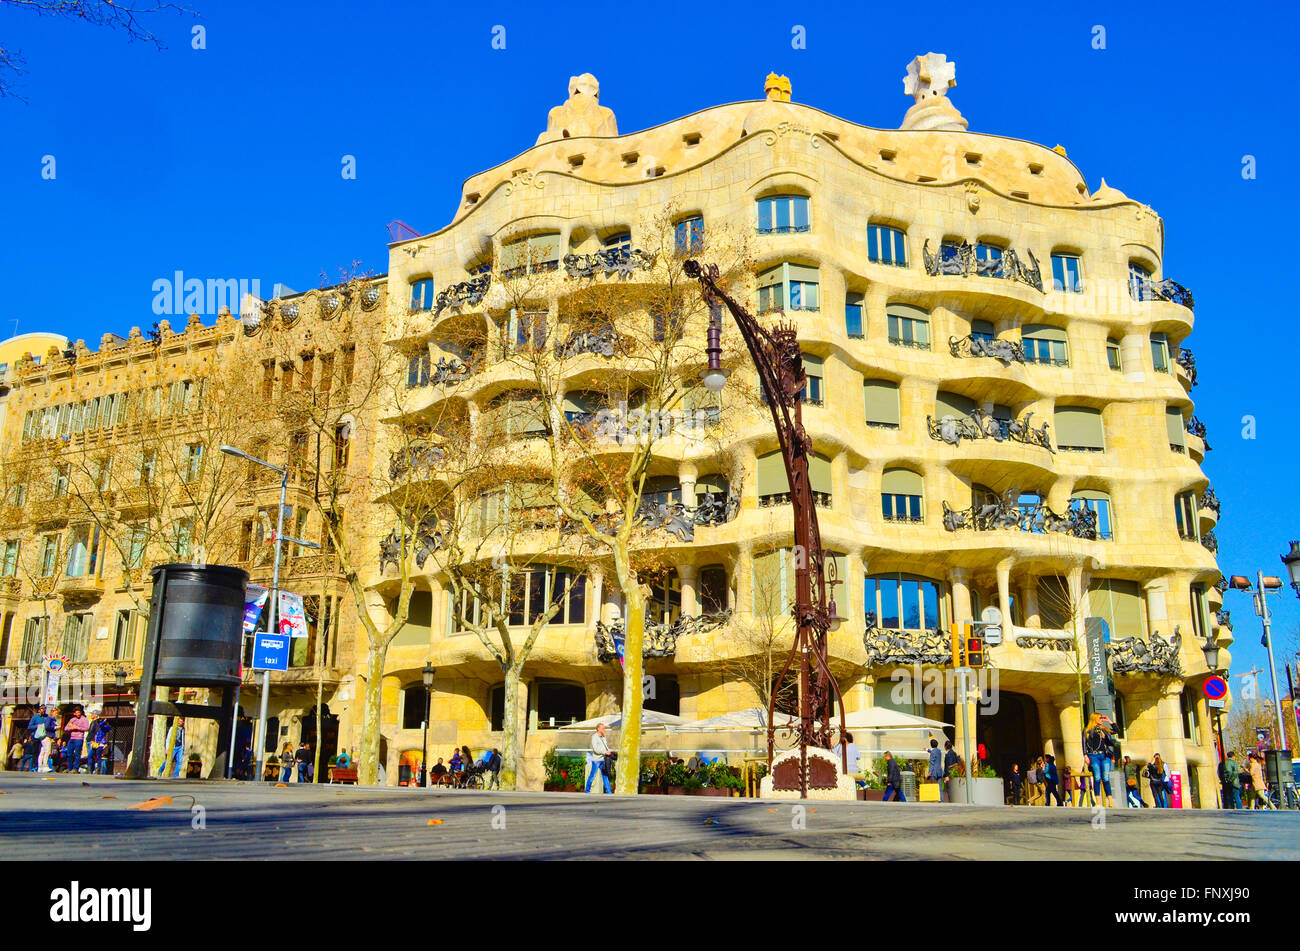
[(174, 750), (596, 759), (1158, 778), (1258, 785), (1016, 780), (1067, 786), (950, 761), (1134, 793), (849, 750), (1231, 782), (934, 772), (1100, 747), (75, 726), (286, 763), (305, 765), (1051, 781), (42, 728), (1031, 781), (893, 779)]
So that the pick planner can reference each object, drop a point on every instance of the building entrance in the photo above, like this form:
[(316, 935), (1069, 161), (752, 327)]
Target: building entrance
[(1009, 736)]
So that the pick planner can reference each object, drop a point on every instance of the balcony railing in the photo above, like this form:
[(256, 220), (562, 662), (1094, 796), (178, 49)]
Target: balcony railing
[(604, 342), (415, 457), (1132, 655), (982, 345), (1143, 288), (1187, 360), (961, 260), (1210, 541), (981, 425), (888, 647), (660, 640), (912, 344), (1209, 500), (465, 294), (1223, 619), (785, 229), (1005, 512), (680, 520), (622, 263), (1197, 428), (820, 499)]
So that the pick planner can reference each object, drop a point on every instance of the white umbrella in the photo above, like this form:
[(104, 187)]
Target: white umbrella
[(754, 718), (650, 719), (882, 718)]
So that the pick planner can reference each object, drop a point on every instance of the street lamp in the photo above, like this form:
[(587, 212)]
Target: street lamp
[(428, 673), (272, 618), (1263, 585), (777, 358), (119, 681)]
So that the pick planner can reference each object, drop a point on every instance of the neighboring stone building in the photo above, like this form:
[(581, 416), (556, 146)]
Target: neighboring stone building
[(999, 404)]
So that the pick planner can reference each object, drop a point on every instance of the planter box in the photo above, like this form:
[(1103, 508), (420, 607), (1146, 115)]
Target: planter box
[(558, 787), (652, 790), (984, 792), (674, 791), (709, 791), (194, 770), (871, 795)]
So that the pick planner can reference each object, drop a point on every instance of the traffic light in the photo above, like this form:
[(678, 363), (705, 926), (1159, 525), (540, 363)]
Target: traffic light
[(974, 652)]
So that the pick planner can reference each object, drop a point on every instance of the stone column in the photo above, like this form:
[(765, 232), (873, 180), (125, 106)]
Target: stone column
[(1135, 355), (1029, 604), (1070, 747), (959, 583), (1004, 589), (689, 575), (1169, 730), (1157, 605), (597, 612), (686, 476), (1049, 725)]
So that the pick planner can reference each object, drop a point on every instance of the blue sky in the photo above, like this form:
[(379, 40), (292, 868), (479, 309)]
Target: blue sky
[(225, 162)]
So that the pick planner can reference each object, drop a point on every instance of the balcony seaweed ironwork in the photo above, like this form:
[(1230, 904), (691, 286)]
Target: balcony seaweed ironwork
[(1223, 619), (960, 260), (1005, 512), (465, 294), (1187, 360), (981, 345), (1132, 655), (660, 639), (1197, 428), (1210, 541), (620, 262), (979, 424), (1142, 288), (888, 647), (603, 342), (1209, 500)]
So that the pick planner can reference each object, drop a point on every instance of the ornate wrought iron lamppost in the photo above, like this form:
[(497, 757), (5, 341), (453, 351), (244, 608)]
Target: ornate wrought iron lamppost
[(427, 675), (779, 362)]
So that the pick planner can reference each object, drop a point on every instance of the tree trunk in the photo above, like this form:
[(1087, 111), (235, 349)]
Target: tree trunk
[(629, 744), (510, 728), (368, 755)]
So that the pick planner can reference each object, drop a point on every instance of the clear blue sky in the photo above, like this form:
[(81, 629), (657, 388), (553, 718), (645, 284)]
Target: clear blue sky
[(225, 162)]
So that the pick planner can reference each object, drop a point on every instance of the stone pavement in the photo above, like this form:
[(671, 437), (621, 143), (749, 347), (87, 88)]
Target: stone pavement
[(68, 817)]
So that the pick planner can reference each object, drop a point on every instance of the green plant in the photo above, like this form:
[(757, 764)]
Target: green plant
[(564, 770), (678, 775), (721, 776), (195, 758), (692, 783)]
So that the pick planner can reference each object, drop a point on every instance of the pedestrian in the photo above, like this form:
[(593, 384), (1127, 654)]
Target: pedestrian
[(42, 727), (934, 772), (95, 740), (286, 763), (438, 772), (596, 759), (846, 749), (1100, 747), (950, 763), (75, 726), (305, 765), (1016, 779), (16, 755), (1051, 781), (1131, 774), (1067, 786), (174, 750), (1158, 778), (1258, 785), (893, 779), (1231, 782), (455, 763)]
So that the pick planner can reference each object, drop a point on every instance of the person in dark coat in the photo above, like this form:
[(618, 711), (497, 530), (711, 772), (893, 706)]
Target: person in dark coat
[(1015, 780), (893, 779), (1052, 781)]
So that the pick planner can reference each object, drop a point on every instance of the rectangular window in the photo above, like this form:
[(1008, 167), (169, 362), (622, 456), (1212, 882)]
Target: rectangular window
[(34, 640), (532, 255), (1099, 504), (1185, 516), (326, 372), (1113, 355), (900, 508), (342, 434), (853, 316), (76, 636), (988, 258), (880, 399), (1065, 273), (1175, 429), (135, 545), (1046, 345), (193, 462), (147, 457), (1139, 282), (909, 332), (1191, 730), (49, 555), (886, 245), (83, 551), (1160, 352), (349, 364), (417, 370), (60, 487), (422, 294), (618, 246), (9, 560), (124, 636), (689, 235)]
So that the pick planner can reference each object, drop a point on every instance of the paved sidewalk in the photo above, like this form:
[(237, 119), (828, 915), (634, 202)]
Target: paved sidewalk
[(68, 817)]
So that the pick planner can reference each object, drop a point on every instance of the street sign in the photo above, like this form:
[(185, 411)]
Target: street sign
[(1216, 704), (991, 615), (270, 651), (1215, 688), (992, 635)]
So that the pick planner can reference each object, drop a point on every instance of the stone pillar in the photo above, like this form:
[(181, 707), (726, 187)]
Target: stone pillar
[(686, 476), (597, 612), (1169, 730), (1069, 749), (1157, 605), (1004, 589), (1029, 604), (959, 583), (1049, 725), (689, 575), (1135, 355)]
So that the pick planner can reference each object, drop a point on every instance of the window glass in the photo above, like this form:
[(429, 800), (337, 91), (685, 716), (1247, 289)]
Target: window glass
[(853, 315), (1065, 273), (886, 245), (783, 214), (689, 235)]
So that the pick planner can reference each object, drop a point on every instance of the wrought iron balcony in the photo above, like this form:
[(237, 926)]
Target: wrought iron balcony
[(1223, 619), (785, 229), (423, 542), (1197, 428), (1132, 655), (603, 342), (660, 639), (820, 499), (1187, 360), (960, 260), (1143, 288), (981, 425), (465, 294), (1005, 512), (1209, 500), (912, 344), (1046, 642), (417, 456), (680, 520), (1210, 541), (612, 262), (888, 647), (982, 345)]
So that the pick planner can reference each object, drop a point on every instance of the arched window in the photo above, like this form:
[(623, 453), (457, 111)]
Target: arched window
[(908, 326), (1066, 275), (902, 496), (886, 245), (952, 404), (1099, 504), (532, 255), (665, 603), (559, 703), (1139, 281), (783, 214), (689, 234)]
